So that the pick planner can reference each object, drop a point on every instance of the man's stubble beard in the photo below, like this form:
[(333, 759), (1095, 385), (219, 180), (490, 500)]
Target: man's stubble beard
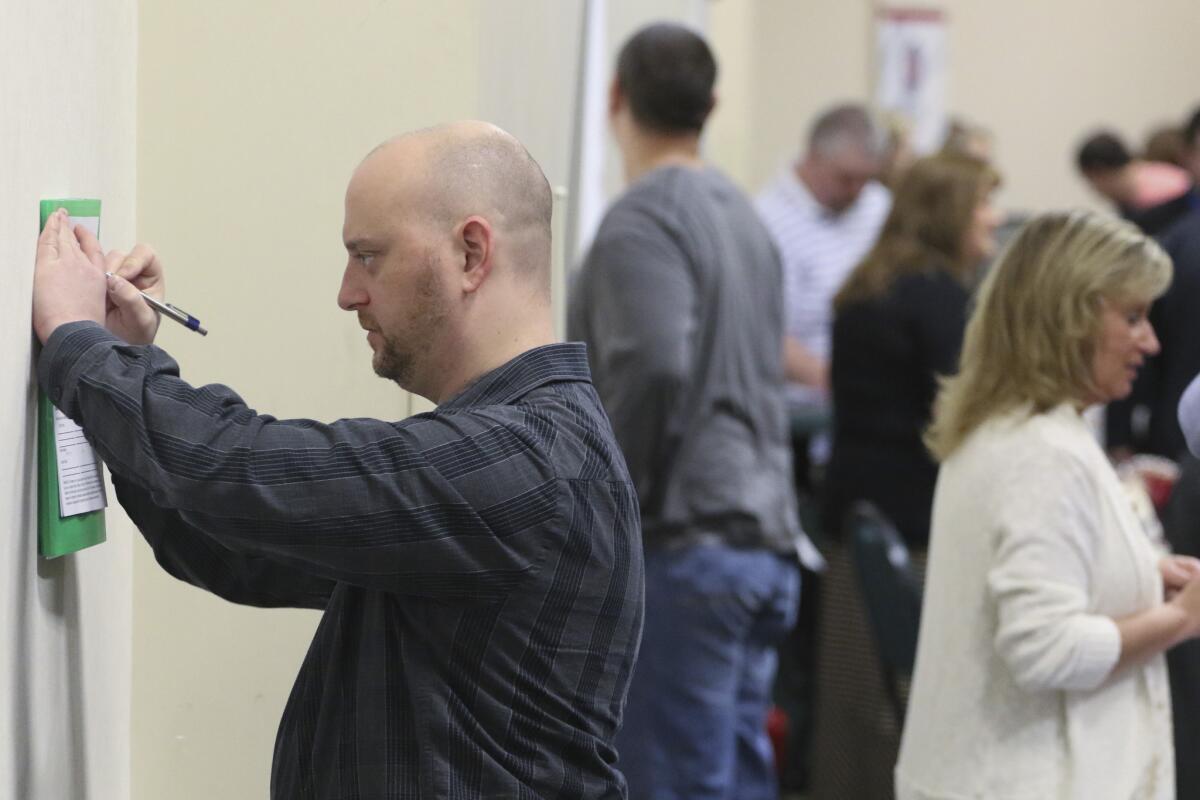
[(400, 354)]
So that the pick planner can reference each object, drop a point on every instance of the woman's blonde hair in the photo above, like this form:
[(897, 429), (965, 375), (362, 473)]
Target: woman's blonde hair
[(932, 210), (1031, 338)]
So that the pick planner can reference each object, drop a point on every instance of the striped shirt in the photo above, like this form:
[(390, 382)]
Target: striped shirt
[(479, 566), (819, 249)]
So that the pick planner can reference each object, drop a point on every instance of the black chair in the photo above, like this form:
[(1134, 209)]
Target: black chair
[(892, 594)]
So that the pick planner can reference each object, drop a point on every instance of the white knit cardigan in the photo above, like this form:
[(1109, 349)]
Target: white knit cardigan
[(1034, 550)]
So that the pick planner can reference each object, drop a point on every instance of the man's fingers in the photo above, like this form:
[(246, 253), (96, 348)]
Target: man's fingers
[(67, 242), (141, 267), (126, 297), (135, 263), (48, 241), (136, 321), (113, 260), (90, 246)]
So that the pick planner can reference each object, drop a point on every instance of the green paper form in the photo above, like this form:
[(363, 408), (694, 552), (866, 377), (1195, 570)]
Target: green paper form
[(71, 497)]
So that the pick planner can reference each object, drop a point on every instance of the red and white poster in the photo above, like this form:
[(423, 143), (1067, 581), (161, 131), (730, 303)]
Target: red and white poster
[(911, 56)]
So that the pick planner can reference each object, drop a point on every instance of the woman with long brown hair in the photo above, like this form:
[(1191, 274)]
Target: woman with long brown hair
[(898, 325)]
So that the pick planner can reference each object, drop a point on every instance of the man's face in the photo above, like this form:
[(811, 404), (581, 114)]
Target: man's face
[(838, 177), (394, 278), (1106, 183)]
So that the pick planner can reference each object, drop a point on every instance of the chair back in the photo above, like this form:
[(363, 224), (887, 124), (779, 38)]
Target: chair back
[(890, 587)]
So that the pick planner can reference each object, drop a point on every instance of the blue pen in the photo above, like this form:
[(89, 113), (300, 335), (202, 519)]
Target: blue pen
[(178, 314)]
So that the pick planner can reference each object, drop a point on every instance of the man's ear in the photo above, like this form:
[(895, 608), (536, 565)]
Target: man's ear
[(476, 238), (615, 98)]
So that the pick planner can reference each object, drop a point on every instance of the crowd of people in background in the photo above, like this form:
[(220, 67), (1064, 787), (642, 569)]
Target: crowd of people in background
[(935, 359), (893, 339)]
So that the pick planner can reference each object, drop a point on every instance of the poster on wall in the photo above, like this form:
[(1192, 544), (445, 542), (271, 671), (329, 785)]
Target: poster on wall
[(911, 80)]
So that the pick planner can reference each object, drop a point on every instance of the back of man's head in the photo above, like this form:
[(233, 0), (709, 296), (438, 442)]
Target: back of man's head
[(1102, 152), (849, 125), (482, 169), (474, 168), (667, 73), (1191, 131)]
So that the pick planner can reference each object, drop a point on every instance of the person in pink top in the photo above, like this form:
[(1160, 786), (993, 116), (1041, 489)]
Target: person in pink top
[(1152, 195)]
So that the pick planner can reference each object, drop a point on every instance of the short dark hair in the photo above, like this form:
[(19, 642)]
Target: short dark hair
[(1102, 152), (1191, 131), (667, 73)]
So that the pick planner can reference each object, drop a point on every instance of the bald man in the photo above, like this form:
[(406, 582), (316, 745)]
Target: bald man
[(479, 566)]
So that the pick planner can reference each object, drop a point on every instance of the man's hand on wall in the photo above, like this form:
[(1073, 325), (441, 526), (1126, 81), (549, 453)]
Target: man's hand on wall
[(68, 285)]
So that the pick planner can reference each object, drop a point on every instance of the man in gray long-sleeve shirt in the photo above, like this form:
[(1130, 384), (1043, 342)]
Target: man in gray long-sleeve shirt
[(680, 304), (479, 566)]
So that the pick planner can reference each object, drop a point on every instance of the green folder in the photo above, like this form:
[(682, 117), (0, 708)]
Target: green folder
[(58, 534)]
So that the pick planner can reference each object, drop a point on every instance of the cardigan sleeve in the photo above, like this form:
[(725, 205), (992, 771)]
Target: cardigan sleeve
[(1041, 573)]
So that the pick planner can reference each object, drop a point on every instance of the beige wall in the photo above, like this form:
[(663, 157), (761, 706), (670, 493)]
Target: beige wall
[(781, 62), (1038, 74), (67, 90), (251, 118)]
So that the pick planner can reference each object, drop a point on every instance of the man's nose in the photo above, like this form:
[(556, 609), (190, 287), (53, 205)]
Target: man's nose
[(350, 295)]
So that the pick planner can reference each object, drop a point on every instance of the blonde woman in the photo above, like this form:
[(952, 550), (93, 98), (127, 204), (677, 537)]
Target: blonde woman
[(1039, 669)]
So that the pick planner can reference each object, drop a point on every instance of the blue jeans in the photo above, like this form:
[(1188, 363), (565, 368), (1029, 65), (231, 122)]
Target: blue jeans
[(695, 720)]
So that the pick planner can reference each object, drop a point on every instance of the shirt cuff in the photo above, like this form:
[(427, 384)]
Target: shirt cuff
[(1099, 649), (63, 359)]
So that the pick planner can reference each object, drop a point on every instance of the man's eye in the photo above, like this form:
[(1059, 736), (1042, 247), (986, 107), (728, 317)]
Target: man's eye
[(365, 258)]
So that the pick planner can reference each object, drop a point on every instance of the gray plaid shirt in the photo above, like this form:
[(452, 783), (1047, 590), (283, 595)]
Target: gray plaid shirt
[(479, 566)]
